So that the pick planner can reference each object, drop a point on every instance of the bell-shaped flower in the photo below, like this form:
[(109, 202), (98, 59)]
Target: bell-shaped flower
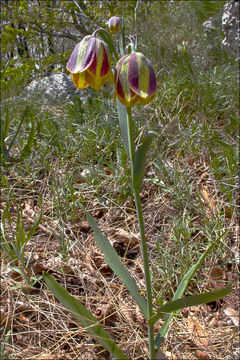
[(89, 63), (135, 79), (114, 24)]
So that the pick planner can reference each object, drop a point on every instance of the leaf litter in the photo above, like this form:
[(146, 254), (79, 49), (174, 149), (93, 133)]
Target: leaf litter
[(35, 326)]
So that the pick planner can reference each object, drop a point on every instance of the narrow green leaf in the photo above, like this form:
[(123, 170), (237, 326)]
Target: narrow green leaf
[(108, 40), (27, 148), (181, 288), (114, 262), (5, 68), (87, 320), (136, 28), (34, 227), (122, 116), (122, 37), (5, 127), (140, 160), (193, 300), (5, 245), (24, 115), (20, 233), (20, 242)]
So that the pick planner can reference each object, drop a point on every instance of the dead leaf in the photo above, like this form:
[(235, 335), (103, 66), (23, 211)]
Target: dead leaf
[(207, 199), (30, 290), (217, 273), (202, 355), (98, 260), (28, 210), (233, 315), (39, 268), (160, 355), (5, 319), (228, 212), (204, 176), (198, 332), (191, 160), (122, 236), (84, 227), (15, 275), (23, 318), (107, 314)]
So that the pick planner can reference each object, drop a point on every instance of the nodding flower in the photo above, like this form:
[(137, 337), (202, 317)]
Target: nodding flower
[(89, 63), (135, 79), (114, 24)]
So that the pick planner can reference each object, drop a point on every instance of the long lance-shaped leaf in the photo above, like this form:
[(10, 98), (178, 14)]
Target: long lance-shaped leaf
[(34, 227), (27, 148), (24, 238), (21, 240), (181, 288), (114, 262), (5, 68), (108, 40), (5, 244), (193, 300), (140, 159), (87, 320), (122, 116), (5, 127), (122, 37), (24, 115)]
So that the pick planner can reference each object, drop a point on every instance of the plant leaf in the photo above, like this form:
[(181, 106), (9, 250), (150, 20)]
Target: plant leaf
[(140, 159), (24, 116), (192, 300), (34, 227), (114, 262), (87, 320), (122, 37), (20, 239), (108, 40), (5, 245), (122, 116), (5, 127), (27, 148)]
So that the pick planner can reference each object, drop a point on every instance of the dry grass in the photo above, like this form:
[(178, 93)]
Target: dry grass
[(35, 326), (189, 199)]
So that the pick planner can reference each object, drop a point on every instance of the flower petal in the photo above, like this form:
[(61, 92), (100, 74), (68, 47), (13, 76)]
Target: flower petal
[(141, 76), (100, 64), (114, 24), (122, 85), (82, 55), (80, 80), (89, 63), (135, 79)]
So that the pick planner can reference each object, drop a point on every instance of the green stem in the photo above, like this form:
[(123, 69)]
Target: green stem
[(142, 234)]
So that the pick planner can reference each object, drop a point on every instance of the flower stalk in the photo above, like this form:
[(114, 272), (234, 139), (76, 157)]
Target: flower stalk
[(134, 81), (142, 234)]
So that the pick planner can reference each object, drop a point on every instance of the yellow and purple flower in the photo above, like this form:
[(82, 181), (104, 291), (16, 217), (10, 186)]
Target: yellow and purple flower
[(114, 24), (89, 63), (135, 79)]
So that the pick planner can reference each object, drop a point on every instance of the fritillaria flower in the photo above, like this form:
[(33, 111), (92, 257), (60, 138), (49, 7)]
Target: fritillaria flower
[(135, 79), (89, 63), (114, 24)]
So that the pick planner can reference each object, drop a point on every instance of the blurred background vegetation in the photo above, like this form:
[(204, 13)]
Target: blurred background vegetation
[(195, 111)]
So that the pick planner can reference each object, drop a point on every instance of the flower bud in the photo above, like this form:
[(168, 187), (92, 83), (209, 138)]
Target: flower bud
[(89, 63), (135, 79), (114, 24)]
